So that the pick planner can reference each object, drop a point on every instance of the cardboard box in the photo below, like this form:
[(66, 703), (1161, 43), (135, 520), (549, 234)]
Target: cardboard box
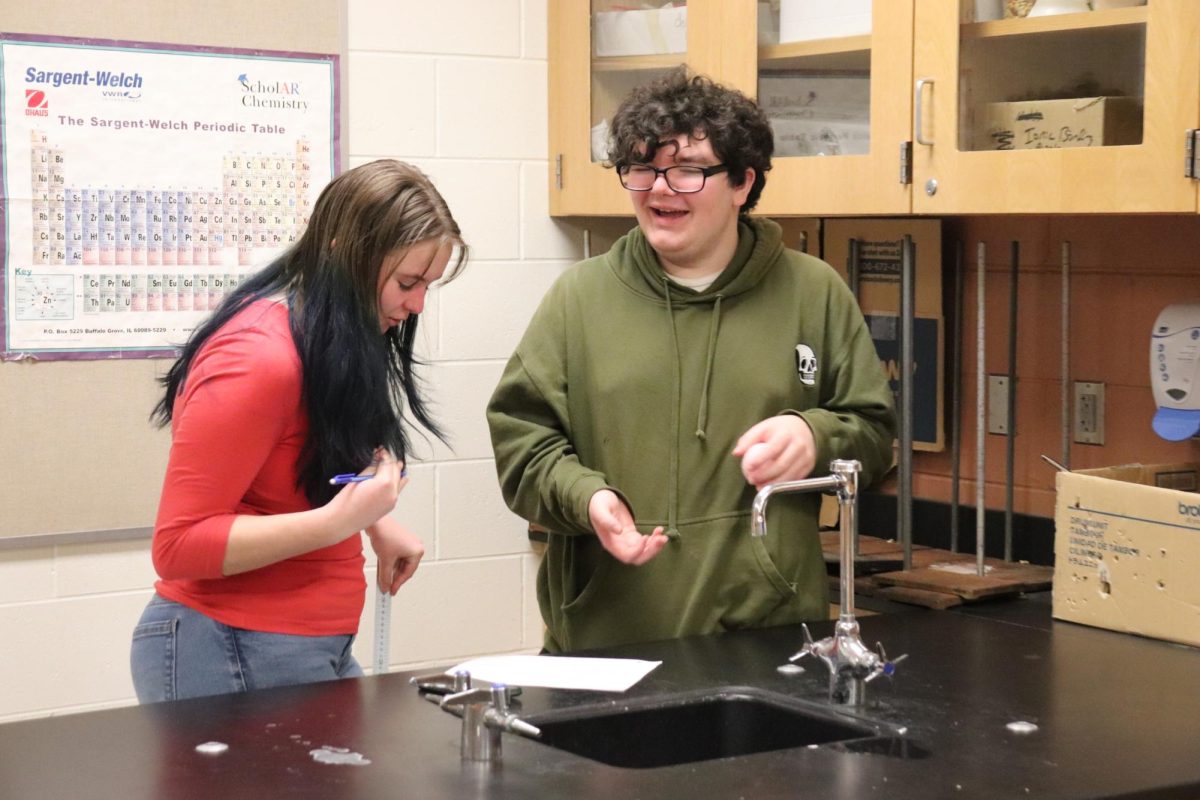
[(1127, 550), (639, 33), (1050, 124), (879, 242), (928, 393), (801, 233), (817, 115), (804, 20)]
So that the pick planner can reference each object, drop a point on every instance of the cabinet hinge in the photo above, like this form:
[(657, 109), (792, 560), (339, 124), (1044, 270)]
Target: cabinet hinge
[(905, 163), (1191, 159), (558, 171)]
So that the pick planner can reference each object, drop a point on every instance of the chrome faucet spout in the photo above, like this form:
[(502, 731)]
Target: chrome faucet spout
[(851, 663), (758, 511)]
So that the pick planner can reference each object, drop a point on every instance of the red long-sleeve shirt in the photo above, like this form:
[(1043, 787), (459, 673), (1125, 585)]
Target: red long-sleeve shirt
[(237, 430)]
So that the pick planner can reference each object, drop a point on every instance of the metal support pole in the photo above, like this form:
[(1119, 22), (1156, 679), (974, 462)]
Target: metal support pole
[(908, 258), (1011, 441), (853, 275), (980, 404), (853, 266), (1065, 338), (587, 243), (956, 395)]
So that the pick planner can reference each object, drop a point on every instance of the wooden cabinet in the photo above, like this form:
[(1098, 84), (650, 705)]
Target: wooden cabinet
[(585, 89), (1150, 53)]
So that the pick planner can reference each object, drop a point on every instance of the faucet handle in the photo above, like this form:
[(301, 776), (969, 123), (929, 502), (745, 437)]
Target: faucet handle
[(884, 666), (809, 647), (497, 714)]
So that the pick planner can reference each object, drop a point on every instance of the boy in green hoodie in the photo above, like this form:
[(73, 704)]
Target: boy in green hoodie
[(659, 385)]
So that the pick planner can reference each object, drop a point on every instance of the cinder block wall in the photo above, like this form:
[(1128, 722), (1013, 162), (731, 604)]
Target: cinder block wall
[(461, 93)]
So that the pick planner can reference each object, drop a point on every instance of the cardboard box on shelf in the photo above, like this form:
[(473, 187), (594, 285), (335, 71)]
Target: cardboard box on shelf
[(802, 233), (817, 115), (804, 20), (928, 353), (1127, 549), (879, 242), (1050, 124), (640, 32)]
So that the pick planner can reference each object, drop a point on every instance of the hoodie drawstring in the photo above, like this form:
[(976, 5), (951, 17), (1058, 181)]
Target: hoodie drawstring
[(676, 399), (713, 327)]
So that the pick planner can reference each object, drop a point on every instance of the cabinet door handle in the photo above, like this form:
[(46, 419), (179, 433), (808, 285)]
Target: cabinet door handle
[(918, 109)]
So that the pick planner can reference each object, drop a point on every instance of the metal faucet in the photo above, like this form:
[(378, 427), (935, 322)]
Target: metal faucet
[(485, 714), (851, 663)]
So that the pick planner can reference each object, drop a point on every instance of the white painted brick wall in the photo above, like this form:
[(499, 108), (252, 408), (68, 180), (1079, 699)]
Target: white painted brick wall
[(463, 96)]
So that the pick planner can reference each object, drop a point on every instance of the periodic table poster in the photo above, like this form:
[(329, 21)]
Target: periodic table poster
[(139, 183)]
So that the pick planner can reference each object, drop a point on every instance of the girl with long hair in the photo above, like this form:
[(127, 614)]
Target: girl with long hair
[(304, 373)]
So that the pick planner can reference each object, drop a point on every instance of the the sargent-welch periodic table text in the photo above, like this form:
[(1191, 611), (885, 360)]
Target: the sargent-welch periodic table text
[(143, 182)]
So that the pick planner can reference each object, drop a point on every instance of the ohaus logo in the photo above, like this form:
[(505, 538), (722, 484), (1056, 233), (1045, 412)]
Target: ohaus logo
[(36, 104), (1189, 510)]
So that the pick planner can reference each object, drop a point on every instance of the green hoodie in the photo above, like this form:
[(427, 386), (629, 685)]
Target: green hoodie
[(628, 381)]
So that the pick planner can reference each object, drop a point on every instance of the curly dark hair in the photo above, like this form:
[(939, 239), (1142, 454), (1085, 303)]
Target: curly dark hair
[(676, 103)]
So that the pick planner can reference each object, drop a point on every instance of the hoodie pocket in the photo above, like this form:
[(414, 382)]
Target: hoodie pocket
[(758, 594), (785, 588), (576, 569), (588, 589)]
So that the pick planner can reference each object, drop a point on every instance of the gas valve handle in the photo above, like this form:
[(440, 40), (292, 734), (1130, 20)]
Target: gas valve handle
[(497, 714), (441, 683)]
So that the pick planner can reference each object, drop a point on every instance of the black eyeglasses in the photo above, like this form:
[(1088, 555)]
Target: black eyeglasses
[(682, 179)]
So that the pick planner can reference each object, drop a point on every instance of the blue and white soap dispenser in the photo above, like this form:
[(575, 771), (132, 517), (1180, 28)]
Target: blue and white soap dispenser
[(1175, 371)]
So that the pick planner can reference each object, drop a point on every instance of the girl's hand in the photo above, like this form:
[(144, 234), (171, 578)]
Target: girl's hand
[(398, 550), (359, 505)]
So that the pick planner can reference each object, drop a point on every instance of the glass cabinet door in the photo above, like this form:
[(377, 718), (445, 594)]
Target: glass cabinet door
[(1054, 105), (599, 51), (833, 79)]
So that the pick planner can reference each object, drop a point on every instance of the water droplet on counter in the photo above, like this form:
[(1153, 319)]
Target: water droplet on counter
[(338, 755)]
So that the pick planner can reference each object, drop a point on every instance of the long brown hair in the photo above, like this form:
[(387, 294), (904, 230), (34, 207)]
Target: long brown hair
[(358, 385)]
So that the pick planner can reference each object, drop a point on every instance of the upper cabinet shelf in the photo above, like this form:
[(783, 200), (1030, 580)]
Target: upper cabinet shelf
[(1109, 18), (657, 61), (842, 53)]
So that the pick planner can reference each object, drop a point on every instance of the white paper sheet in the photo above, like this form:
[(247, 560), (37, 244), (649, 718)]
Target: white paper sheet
[(559, 672)]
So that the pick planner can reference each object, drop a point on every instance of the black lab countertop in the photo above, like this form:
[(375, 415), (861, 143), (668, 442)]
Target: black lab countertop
[(1116, 716)]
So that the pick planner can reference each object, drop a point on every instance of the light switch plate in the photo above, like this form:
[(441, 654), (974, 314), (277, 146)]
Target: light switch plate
[(997, 404)]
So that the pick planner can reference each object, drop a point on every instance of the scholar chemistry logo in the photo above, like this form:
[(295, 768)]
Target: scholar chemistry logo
[(271, 94), (36, 104)]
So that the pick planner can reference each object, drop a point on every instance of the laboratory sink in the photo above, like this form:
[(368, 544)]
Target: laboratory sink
[(698, 726)]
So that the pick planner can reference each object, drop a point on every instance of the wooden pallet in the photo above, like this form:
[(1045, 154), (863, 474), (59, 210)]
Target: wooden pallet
[(938, 578)]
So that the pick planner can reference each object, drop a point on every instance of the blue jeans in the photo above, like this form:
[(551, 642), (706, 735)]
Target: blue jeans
[(179, 653)]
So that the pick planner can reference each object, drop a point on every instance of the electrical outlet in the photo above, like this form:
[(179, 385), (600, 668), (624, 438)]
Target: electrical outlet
[(1089, 413)]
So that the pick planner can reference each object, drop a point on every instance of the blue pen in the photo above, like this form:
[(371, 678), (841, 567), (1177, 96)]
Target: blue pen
[(351, 477)]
